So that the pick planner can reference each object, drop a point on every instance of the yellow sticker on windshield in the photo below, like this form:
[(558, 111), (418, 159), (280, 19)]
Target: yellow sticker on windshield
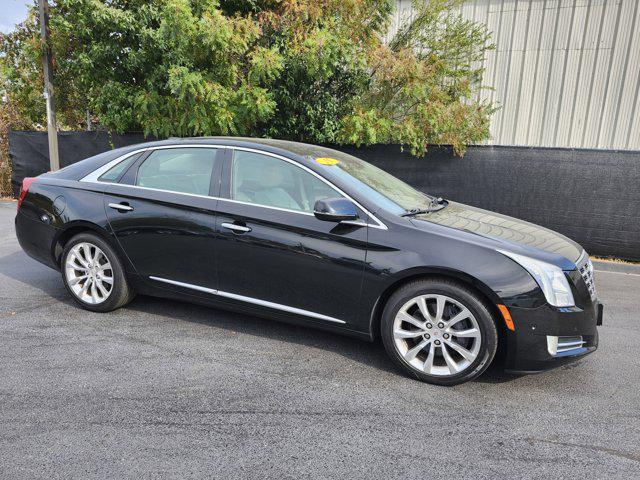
[(327, 161)]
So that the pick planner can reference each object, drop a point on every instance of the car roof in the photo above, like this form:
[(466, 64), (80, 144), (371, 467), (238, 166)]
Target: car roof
[(267, 144), (302, 152)]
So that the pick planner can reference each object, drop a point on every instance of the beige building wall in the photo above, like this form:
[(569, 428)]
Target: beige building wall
[(566, 73)]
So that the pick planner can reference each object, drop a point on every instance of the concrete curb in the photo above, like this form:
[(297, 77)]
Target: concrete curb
[(616, 267)]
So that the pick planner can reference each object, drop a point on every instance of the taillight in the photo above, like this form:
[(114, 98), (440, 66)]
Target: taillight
[(26, 183)]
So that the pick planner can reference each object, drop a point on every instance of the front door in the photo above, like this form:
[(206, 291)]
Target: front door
[(274, 252), (162, 213)]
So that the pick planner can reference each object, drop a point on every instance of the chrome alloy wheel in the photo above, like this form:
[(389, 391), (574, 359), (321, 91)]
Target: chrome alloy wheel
[(437, 335), (89, 273)]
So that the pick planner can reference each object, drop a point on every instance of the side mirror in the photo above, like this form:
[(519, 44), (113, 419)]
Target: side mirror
[(335, 210)]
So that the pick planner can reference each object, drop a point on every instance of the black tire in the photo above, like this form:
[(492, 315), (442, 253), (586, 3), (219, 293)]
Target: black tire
[(465, 296), (121, 292)]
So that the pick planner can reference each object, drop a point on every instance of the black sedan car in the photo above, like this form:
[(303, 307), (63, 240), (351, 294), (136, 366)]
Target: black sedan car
[(311, 235)]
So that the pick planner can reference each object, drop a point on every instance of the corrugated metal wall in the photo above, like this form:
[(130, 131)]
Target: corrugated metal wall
[(565, 72)]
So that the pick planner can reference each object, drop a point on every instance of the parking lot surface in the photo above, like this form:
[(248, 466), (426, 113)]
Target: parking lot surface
[(168, 389)]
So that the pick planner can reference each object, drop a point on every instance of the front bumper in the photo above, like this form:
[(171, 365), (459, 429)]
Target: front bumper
[(530, 347)]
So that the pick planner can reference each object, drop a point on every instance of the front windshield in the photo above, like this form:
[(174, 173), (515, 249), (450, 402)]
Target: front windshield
[(373, 183)]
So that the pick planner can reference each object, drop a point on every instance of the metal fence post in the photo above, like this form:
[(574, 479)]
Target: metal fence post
[(52, 131)]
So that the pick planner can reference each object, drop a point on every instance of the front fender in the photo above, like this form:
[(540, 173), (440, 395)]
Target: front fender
[(497, 277)]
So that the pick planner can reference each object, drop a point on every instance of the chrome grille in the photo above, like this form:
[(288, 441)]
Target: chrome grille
[(586, 270), (565, 346)]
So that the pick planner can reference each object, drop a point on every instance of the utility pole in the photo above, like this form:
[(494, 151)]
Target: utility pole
[(48, 85)]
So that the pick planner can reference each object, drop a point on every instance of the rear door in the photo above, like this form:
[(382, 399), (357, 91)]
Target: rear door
[(162, 210), (275, 253)]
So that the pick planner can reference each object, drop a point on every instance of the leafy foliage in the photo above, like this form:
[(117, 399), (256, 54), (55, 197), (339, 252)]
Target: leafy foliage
[(424, 84), (323, 46), (311, 70)]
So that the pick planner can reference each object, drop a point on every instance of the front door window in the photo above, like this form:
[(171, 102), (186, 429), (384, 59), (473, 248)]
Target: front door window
[(272, 182)]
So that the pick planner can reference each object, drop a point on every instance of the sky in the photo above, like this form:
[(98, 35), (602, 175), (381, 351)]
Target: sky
[(12, 12)]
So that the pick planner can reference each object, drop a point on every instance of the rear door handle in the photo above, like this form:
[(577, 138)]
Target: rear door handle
[(121, 207), (236, 228)]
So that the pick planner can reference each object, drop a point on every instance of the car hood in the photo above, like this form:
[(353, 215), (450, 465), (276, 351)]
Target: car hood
[(504, 229)]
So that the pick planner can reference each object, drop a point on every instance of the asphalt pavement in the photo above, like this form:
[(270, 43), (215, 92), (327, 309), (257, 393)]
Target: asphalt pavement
[(163, 389)]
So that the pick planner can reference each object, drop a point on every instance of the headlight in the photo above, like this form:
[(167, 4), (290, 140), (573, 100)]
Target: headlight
[(551, 279)]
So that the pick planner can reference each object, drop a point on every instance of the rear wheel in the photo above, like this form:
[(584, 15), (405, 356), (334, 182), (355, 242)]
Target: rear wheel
[(439, 331), (93, 274)]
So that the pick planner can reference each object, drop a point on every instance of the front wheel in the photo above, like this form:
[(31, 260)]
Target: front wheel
[(439, 331), (93, 274)]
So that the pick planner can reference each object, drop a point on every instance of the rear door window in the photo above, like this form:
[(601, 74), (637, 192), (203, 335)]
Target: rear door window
[(115, 172), (182, 170)]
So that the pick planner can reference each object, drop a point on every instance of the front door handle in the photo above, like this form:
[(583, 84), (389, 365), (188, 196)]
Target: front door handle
[(121, 207), (236, 228)]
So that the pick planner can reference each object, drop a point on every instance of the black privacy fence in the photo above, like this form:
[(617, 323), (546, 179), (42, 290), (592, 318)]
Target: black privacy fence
[(591, 196)]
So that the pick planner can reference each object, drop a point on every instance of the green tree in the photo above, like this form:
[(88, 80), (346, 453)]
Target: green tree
[(324, 45), (169, 67), (21, 78), (424, 84), (311, 70)]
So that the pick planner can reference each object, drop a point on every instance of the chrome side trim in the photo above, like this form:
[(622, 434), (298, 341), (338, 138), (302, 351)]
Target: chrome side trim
[(266, 206), (93, 178), (357, 223), (255, 301), (137, 187)]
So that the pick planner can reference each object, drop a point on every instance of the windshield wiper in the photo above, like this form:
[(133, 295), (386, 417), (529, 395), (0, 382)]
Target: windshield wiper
[(415, 211), (436, 203)]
